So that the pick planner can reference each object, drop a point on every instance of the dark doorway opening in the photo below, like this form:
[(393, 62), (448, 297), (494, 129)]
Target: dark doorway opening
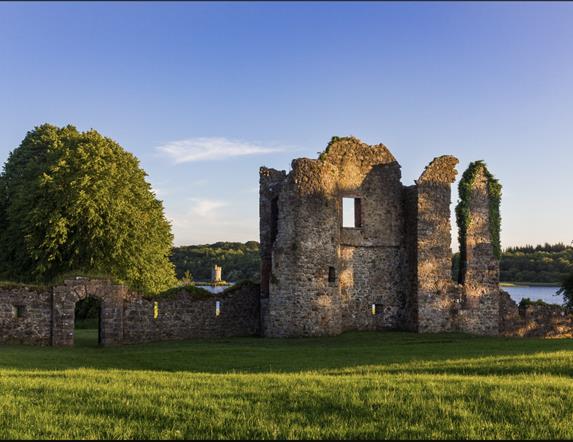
[(87, 322)]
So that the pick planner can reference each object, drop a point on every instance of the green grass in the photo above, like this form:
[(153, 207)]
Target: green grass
[(358, 385)]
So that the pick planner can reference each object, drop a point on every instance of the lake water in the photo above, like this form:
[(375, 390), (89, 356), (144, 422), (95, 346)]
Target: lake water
[(215, 290), (546, 294)]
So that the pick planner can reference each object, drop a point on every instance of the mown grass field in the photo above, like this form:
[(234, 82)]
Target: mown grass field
[(358, 385)]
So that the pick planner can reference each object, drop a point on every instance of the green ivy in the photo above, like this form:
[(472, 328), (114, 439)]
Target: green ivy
[(334, 139), (463, 215)]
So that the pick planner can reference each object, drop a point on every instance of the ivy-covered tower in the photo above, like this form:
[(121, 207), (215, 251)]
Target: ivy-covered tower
[(479, 224)]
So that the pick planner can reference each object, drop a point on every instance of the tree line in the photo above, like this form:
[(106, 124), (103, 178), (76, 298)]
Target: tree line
[(240, 261), (547, 263)]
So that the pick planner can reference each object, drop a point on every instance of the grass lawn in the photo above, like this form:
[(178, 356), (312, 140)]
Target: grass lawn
[(358, 385)]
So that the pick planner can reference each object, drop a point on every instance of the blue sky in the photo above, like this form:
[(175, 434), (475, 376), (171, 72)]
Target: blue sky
[(205, 93)]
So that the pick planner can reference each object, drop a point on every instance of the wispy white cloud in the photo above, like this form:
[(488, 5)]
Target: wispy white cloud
[(214, 148), (205, 207), (205, 220)]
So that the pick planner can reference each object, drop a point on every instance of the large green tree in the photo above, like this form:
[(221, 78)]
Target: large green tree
[(75, 201)]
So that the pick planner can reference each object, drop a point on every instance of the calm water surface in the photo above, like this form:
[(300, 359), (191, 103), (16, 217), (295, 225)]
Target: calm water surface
[(217, 289), (547, 294)]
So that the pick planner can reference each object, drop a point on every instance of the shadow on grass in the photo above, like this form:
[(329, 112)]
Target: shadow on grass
[(350, 353)]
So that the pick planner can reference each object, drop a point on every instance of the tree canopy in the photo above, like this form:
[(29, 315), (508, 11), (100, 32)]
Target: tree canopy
[(75, 201)]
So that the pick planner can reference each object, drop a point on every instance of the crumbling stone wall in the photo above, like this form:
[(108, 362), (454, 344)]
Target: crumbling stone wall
[(325, 277), (25, 315), (397, 260), (480, 272), (46, 316), (183, 315), (534, 320), (437, 296)]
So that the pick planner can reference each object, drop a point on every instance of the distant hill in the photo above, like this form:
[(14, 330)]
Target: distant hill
[(239, 260)]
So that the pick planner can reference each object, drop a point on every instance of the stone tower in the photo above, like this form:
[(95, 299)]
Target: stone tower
[(216, 273), (345, 246)]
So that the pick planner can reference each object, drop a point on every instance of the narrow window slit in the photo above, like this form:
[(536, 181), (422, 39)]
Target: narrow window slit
[(331, 274)]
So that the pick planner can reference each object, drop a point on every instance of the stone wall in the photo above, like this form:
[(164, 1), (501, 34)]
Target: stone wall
[(46, 317), (67, 295), (397, 260), (437, 296), (184, 315), (534, 320), (324, 277), (480, 275), (25, 316)]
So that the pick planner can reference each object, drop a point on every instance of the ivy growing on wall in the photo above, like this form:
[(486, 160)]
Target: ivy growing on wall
[(463, 215), (334, 139)]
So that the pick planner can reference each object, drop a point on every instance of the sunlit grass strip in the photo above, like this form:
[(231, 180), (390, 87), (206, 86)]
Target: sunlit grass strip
[(358, 385), (87, 403)]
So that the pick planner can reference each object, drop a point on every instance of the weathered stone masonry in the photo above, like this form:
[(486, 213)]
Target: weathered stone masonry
[(46, 317), (392, 269)]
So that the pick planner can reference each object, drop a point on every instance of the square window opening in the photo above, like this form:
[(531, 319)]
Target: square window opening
[(352, 212), (19, 311)]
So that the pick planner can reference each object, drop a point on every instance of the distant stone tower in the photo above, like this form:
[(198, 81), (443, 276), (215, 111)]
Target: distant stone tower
[(216, 273)]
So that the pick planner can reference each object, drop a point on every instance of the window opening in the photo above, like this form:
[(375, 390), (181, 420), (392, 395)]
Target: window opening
[(19, 311), (352, 212), (331, 274), (274, 218)]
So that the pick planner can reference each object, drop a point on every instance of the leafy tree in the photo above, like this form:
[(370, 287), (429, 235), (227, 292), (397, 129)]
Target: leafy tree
[(566, 291), (75, 201)]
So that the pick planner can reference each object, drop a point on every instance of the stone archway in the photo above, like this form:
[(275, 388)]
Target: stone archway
[(87, 320), (65, 298)]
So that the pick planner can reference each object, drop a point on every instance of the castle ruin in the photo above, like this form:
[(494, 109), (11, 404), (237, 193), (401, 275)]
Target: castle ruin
[(385, 265), (344, 246)]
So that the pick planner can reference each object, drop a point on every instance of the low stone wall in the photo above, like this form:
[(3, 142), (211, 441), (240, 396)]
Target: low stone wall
[(25, 316), (534, 320), (185, 316), (46, 317)]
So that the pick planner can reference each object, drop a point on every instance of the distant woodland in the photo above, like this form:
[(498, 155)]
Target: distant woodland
[(548, 263), (538, 264), (240, 261)]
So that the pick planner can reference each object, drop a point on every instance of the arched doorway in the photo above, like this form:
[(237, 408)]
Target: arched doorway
[(87, 322)]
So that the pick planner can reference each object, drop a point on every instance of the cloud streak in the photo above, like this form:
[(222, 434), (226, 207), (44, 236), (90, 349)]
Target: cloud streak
[(211, 148), (206, 208)]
